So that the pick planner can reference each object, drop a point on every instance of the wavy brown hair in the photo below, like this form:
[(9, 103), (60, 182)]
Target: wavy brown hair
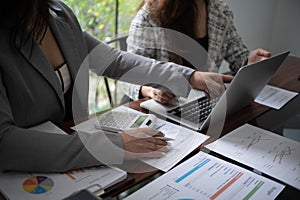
[(174, 14)]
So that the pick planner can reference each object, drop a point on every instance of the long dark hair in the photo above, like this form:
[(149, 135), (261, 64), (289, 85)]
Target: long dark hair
[(25, 16), (174, 14)]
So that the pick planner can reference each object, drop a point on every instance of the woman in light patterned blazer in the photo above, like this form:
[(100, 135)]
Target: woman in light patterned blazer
[(208, 22)]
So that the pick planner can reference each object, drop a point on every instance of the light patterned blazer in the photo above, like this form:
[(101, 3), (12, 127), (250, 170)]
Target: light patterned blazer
[(224, 41)]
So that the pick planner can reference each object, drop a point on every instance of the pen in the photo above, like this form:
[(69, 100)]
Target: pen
[(164, 138), (160, 126)]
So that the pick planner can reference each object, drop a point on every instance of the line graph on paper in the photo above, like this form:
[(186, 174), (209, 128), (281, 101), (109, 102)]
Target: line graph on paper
[(287, 151), (278, 155), (263, 150), (248, 142)]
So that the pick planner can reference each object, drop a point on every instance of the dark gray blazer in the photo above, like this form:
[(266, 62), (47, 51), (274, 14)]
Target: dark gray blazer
[(30, 94)]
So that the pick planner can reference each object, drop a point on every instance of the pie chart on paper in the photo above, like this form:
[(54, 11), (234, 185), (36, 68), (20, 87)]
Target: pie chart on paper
[(38, 184)]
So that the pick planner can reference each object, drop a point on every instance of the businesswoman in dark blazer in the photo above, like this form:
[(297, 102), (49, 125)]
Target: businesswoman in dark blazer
[(43, 55)]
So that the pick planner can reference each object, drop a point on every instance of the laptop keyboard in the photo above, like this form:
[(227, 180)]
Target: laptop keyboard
[(195, 111)]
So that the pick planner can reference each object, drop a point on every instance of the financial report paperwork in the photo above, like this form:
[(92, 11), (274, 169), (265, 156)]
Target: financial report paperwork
[(274, 97), (49, 186), (206, 177), (262, 150), (185, 140)]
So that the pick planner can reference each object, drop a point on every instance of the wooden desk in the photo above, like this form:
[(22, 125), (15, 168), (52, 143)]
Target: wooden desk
[(286, 77)]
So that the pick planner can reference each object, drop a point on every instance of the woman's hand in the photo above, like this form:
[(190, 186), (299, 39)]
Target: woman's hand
[(258, 55), (211, 83), (141, 143), (157, 94)]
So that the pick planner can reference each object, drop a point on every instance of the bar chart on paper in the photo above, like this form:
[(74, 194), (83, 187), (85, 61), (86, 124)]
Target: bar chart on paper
[(265, 151), (206, 177)]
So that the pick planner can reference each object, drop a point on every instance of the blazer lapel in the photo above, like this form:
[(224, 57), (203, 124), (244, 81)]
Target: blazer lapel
[(73, 49), (34, 55), (67, 42)]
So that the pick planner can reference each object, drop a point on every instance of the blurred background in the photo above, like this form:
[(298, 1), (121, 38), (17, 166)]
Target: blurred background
[(270, 24)]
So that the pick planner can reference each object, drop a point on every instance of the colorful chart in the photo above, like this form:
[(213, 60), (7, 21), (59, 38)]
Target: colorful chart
[(38, 185)]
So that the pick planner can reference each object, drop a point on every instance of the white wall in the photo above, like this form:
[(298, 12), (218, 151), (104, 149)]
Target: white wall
[(286, 27), (270, 24)]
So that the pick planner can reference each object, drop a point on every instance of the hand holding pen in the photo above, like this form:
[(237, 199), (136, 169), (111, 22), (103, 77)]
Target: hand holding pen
[(162, 138), (144, 143)]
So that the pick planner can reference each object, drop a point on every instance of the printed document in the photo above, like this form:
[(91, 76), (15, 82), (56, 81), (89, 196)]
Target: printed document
[(274, 97), (185, 140), (206, 177), (272, 154), (49, 186)]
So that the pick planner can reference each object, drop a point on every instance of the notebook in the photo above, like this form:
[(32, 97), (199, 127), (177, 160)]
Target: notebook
[(243, 89)]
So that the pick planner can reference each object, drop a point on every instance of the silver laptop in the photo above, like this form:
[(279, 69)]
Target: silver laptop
[(198, 112)]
